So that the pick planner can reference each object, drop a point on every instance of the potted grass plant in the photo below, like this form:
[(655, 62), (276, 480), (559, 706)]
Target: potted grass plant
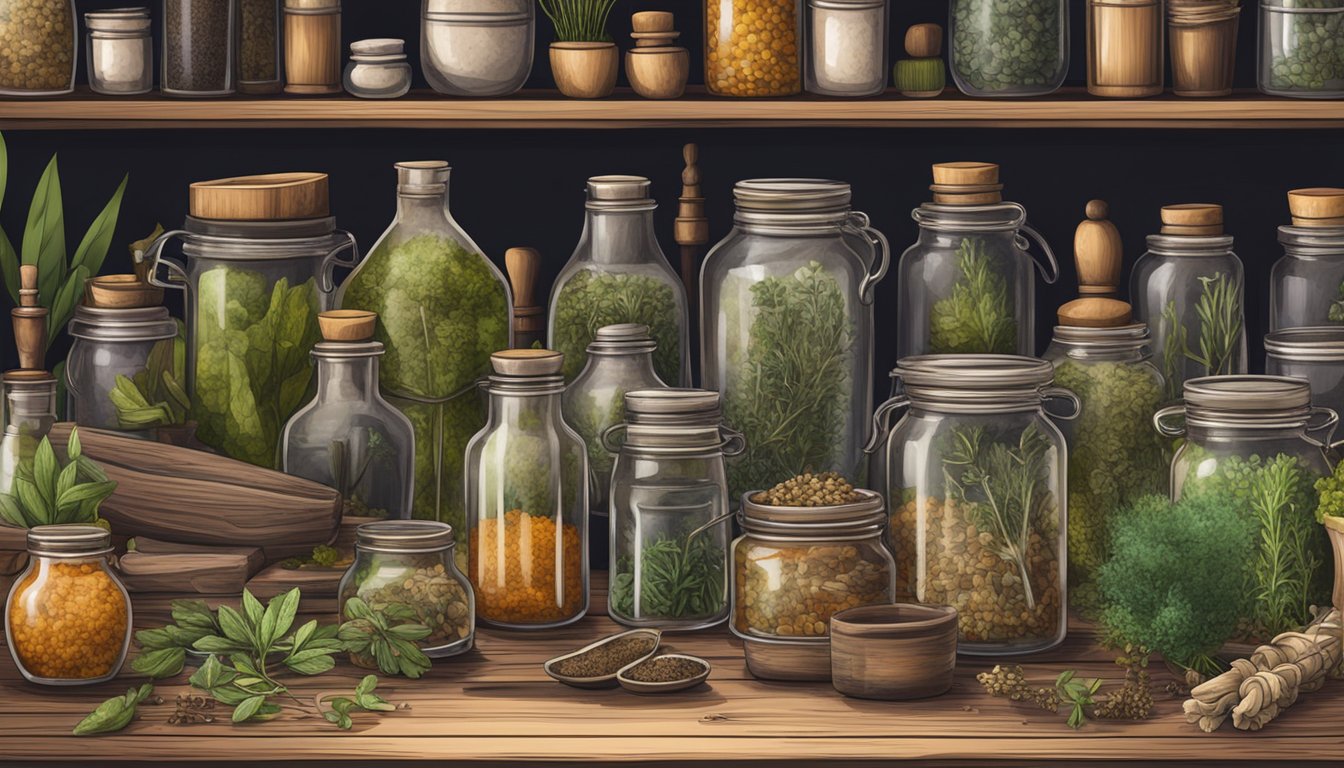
[(584, 60)]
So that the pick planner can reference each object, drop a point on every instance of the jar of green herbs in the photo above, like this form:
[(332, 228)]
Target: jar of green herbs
[(1251, 442), (1302, 48), (125, 369), (1009, 47)]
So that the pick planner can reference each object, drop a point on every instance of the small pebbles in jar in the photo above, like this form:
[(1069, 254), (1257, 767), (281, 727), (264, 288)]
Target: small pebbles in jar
[(751, 47), (37, 47)]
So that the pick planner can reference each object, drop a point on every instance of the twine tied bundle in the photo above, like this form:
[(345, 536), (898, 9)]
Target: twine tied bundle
[(1194, 12)]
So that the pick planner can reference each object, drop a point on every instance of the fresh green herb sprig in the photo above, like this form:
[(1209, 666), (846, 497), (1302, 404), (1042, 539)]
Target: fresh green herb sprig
[(114, 714), (591, 299), (47, 492), (364, 700), (155, 397), (977, 317), (1175, 340), (1076, 692), (386, 637), (679, 578), (1220, 324), (579, 21)]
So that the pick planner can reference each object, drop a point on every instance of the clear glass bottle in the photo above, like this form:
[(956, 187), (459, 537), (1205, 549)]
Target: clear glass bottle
[(670, 523), (137, 344), (1312, 353), (1250, 440), (1302, 48), (410, 563), (787, 328), (618, 274), (443, 309), (350, 438), (38, 47), (1114, 458), (753, 47), (68, 617), (30, 412), (1009, 49), (620, 360), (1189, 290), (527, 499), (988, 542), (847, 47), (1306, 286), (200, 47)]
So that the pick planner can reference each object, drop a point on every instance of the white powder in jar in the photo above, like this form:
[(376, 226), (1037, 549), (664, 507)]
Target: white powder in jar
[(477, 59), (120, 63), (848, 47)]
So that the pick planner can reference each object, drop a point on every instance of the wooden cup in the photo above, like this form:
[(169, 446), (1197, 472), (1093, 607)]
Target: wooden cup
[(658, 73), (894, 652), (585, 70), (1203, 58)]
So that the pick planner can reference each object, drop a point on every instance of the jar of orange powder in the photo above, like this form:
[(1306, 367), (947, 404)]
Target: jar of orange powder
[(68, 618), (752, 47)]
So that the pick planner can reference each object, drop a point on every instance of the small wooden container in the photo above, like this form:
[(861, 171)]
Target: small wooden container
[(347, 324), (585, 70), (313, 47), (1193, 219), (791, 660), (1203, 57), (966, 183), (1125, 48), (121, 292), (894, 652), (1317, 207), (659, 72)]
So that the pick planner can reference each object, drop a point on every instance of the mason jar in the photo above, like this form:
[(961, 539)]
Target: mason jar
[(1306, 286), (670, 523), (787, 328), (1302, 48), (1313, 353), (410, 563), (200, 47), (110, 345), (976, 479), (847, 47), (1009, 49)]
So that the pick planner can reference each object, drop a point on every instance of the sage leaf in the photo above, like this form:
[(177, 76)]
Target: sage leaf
[(45, 472), (248, 709), (252, 610), (12, 512), (217, 644), (44, 235), (234, 626), (160, 663), (63, 305), (211, 675), (281, 612), (114, 714), (314, 665), (86, 492)]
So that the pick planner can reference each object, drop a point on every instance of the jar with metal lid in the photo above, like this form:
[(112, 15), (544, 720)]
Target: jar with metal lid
[(1302, 48), (966, 285), (138, 345), (794, 568), (620, 360), (847, 47), (408, 565), (976, 478), (618, 274), (1306, 286), (119, 51), (38, 47), (477, 47), (753, 47), (527, 499), (1188, 288), (259, 47), (1250, 441), (670, 523), (1013, 49), (68, 617), (260, 256), (200, 47), (444, 308), (787, 328), (350, 438), (1312, 353)]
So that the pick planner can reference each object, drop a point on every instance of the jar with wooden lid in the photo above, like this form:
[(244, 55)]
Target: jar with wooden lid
[(1306, 286), (1012, 49), (37, 47), (1314, 353), (136, 344), (259, 47), (200, 47), (1189, 289), (966, 284), (1302, 48), (1126, 52), (313, 47), (68, 617), (753, 48)]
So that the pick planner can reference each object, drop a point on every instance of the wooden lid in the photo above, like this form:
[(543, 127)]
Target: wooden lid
[(966, 183), (1192, 219), (1095, 312), (347, 324), (1098, 251), (651, 21), (269, 197), (924, 41), (121, 292), (1316, 206), (965, 173)]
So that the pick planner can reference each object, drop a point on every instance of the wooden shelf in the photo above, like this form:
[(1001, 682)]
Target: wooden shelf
[(546, 109)]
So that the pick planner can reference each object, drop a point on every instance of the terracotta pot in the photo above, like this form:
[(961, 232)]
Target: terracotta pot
[(585, 70)]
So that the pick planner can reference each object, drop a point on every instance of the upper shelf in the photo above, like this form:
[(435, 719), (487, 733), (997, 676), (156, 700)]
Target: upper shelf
[(546, 109)]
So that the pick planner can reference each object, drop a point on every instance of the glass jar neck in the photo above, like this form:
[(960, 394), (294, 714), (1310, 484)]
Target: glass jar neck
[(619, 237), (625, 365), (422, 204), (524, 411), (1190, 245), (30, 408), (347, 379), (1209, 434), (1312, 242)]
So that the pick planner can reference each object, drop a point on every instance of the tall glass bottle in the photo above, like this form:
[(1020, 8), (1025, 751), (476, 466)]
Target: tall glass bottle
[(618, 274), (444, 309)]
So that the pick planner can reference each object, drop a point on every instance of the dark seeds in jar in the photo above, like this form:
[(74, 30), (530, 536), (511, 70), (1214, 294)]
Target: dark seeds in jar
[(1002, 45), (197, 45), (257, 54), (37, 44)]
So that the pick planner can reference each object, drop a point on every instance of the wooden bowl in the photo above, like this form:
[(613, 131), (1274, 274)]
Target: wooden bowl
[(658, 73), (894, 652), (347, 324), (585, 70), (796, 660), (121, 292)]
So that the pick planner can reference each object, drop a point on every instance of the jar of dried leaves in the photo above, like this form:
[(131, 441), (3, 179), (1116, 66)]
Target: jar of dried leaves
[(125, 369)]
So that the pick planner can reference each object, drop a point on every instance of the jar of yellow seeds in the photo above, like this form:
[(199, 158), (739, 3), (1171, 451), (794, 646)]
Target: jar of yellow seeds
[(37, 47), (68, 618), (751, 47)]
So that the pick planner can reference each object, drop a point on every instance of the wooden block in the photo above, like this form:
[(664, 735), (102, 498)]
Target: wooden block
[(206, 574), (256, 560), (313, 581)]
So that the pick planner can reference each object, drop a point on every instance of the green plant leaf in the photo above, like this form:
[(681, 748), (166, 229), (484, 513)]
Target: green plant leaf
[(45, 470), (355, 608), (93, 248), (248, 709), (212, 675), (367, 685), (280, 613), (67, 298), (193, 613), (309, 665), (216, 644), (114, 714), (235, 627), (160, 663), (9, 267), (302, 635), (31, 500), (12, 512), (44, 235), (86, 492), (73, 448), (253, 610)]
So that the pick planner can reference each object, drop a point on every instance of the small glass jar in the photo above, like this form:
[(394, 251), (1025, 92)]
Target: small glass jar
[(30, 413), (378, 69), (847, 53), (200, 47), (1306, 286), (110, 344), (976, 478), (620, 360), (68, 617), (119, 51), (1312, 353), (670, 523), (527, 499), (1302, 48), (259, 47), (38, 47), (1126, 49), (753, 47), (410, 563), (477, 47), (1009, 49)]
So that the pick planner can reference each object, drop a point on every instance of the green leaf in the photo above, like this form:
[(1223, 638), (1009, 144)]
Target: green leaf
[(279, 617), (86, 492), (73, 448), (230, 695), (67, 298), (340, 720), (211, 675), (90, 469), (302, 635), (68, 478), (342, 704), (112, 715), (367, 685), (310, 663), (93, 248), (31, 500), (248, 709), (45, 469), (411, 631), (12, 512), (9, 267), (194, 613), (253, 610), (44, 235), (235, 627), (220, 645), (355, 608), (164, 662)]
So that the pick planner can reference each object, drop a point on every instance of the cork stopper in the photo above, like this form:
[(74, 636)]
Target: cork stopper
[(1095, 312), (1193, 219), (1317, 207), (347, 325), (121, 292), (966, 183), (1098, 252), (924, 41), (653, 29), (529, 321), (30, 322), (527, 362)]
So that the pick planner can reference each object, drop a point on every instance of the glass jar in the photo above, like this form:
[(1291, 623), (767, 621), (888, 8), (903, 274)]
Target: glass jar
[(752, 47), (670, 523), (30, 412), (261, 285), (976, 479), (620, 360), (966, 285), (478, 47), (444, 309), (847, 53), (527, 499), (378, 69), (138, 345), (1126, 48), (1018, 48), (1302, 48), (68, 617), (1306, 286), (1313, 353), (349, 438), (200, 47), (618, 274), (787, 328), (119, 52), (259, 47), (410, 563), (1114, 458), (1250, 441), (37, 47)]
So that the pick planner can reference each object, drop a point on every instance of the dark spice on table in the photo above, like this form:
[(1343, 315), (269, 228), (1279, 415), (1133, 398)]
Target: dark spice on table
[(665, 669), (606, 659)]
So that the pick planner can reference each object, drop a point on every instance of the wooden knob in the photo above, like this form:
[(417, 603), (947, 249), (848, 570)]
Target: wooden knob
[(924, 41), (1093, 312), (1317, 207), (651, 21), (523, 264), (28, 285), (1098, 252), (1192, 219), (30, 321)]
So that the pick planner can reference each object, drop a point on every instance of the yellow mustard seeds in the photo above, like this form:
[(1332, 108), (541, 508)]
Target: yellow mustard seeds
[(68, 621), (37, 45), (751, 48)]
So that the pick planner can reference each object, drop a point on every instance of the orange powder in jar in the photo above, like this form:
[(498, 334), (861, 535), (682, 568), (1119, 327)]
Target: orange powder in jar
[(513, 569), (68, 621)]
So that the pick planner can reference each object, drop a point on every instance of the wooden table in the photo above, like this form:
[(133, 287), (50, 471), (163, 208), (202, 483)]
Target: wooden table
[(495, 705)]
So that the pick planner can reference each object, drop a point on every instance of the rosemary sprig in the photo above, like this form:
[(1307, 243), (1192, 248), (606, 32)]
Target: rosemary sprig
[(1286, 562), (1219, 312), (680, 577), (579, 21), (1174, 347), (977, 317)]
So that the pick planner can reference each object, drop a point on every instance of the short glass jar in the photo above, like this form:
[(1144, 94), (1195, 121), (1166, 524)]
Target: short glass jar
[(38, 47), (136, 344), (753, 48), (259, 47), (68, 617), (410, 564), (477, 47), (200, 47), (1306, 286), (670, 523), (1312, 353), (847, 47), (1302, 48), (1014, 49), (119, 52), (378, 69)]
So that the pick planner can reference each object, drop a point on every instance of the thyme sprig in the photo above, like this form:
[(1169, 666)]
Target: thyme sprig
[(579, 21), (1220, 321)]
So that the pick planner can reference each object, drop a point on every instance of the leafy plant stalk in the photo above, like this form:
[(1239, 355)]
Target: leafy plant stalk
[(977, 317), (47, 492), (1220, 324), (679, 577), (579, 21)]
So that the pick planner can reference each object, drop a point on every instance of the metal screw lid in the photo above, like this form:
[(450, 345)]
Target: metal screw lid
[(617, 192), (404, 536), (1130, 336), (69, 541), (1312, 344), (797, 195), (670, 404), (868, 513), (527, 362), (140, 324), (1248, 395), (622, 338)]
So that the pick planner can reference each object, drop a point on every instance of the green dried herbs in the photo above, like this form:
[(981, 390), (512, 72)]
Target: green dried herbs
[(978, 316), (590, 417), (386, 638), (1308, 52), (1007, 45), (592, 299), (49, 493), (1218, 336), (679, 578), (155, 397)]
